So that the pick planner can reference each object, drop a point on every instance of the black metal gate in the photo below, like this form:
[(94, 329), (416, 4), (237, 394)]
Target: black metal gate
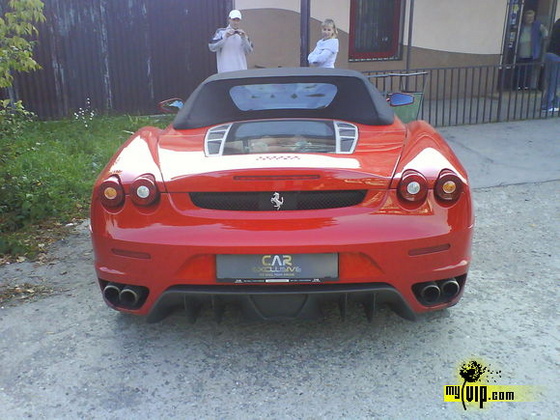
[(119, 55)]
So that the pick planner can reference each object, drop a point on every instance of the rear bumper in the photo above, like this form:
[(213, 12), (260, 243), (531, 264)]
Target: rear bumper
[(277, 303), (389, 270), (383, 256)]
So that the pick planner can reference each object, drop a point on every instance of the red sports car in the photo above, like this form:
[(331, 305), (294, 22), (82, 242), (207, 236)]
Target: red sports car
[(279, 190)]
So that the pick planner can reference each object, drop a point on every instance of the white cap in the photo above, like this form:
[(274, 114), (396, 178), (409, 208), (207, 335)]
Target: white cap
[(235, 14)]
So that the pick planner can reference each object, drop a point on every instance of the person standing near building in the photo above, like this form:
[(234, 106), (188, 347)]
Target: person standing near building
[(231, 45), (326, 50), (551, 99), (529, 49)]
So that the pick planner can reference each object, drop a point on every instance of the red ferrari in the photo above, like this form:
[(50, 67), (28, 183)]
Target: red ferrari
[(279, 190)]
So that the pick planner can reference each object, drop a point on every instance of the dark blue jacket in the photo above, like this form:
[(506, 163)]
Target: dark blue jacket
[(536, 40), (554, 46)]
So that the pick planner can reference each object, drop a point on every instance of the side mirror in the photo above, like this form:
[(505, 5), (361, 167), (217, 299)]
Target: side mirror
[(171, 106), (400, 99)]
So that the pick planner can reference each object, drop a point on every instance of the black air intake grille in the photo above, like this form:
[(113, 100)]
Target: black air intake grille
[(272, 201)]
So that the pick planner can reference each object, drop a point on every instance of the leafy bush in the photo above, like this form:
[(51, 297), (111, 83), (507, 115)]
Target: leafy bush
[(16, 28), (50, 167), (13, 117)]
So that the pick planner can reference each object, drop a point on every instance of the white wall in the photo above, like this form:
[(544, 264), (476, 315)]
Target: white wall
[(338, 10), (293, 5), (462, 26)]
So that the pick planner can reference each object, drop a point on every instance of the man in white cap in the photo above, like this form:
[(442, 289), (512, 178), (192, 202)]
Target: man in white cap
[(231, 44)]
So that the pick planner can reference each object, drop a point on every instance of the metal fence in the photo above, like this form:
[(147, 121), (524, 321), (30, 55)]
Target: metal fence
[(470, 95)]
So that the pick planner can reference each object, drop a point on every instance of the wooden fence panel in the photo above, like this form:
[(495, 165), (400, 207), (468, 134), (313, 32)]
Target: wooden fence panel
[(119, 55)]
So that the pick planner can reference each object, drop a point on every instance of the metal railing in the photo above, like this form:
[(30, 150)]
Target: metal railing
[(470, 95)]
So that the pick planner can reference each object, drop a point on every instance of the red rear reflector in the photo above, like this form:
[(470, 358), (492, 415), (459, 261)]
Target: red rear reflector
[(131, 254), (428, 250)]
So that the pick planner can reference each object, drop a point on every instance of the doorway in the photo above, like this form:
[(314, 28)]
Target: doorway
[(545, 11)]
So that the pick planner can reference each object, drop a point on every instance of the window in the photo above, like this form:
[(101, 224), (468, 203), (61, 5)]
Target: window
[(283, 96), (376, 28), (298, 136)]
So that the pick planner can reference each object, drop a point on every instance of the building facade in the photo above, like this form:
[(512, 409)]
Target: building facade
[(391, 34)]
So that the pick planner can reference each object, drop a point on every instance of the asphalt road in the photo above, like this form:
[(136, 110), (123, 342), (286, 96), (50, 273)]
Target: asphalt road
[(69, 356)]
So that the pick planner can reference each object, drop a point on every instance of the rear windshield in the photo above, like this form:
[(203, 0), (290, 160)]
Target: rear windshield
[(281, 136), (259, 97)]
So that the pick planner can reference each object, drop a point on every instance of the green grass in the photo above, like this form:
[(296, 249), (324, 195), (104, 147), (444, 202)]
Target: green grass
[(47, 170)]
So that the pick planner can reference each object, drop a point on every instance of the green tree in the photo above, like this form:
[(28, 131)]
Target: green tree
[(17, 27)]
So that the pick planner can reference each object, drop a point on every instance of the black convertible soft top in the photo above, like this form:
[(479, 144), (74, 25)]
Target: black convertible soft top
[(355, 98)]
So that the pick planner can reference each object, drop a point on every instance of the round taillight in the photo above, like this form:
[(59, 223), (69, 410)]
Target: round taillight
[(111, 192), (143, 191), (413, 187), (448, 186)]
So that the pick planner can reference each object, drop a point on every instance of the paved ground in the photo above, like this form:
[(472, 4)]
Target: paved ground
[(69, 356), (508, 153)]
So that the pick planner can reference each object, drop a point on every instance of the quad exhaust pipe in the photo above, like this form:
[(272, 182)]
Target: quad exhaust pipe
[(124, 295), (112, 292), (450, 289), (430, 293), (441, 291), (130, 296)]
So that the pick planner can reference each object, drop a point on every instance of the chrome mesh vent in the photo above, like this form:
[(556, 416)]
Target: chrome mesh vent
[(215, 139), (346, 137)]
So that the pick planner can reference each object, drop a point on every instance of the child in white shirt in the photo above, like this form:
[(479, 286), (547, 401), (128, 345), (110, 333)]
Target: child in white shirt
[(324, 54)]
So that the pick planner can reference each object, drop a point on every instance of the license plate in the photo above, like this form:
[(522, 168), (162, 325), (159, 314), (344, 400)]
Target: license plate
[(277, 268)]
